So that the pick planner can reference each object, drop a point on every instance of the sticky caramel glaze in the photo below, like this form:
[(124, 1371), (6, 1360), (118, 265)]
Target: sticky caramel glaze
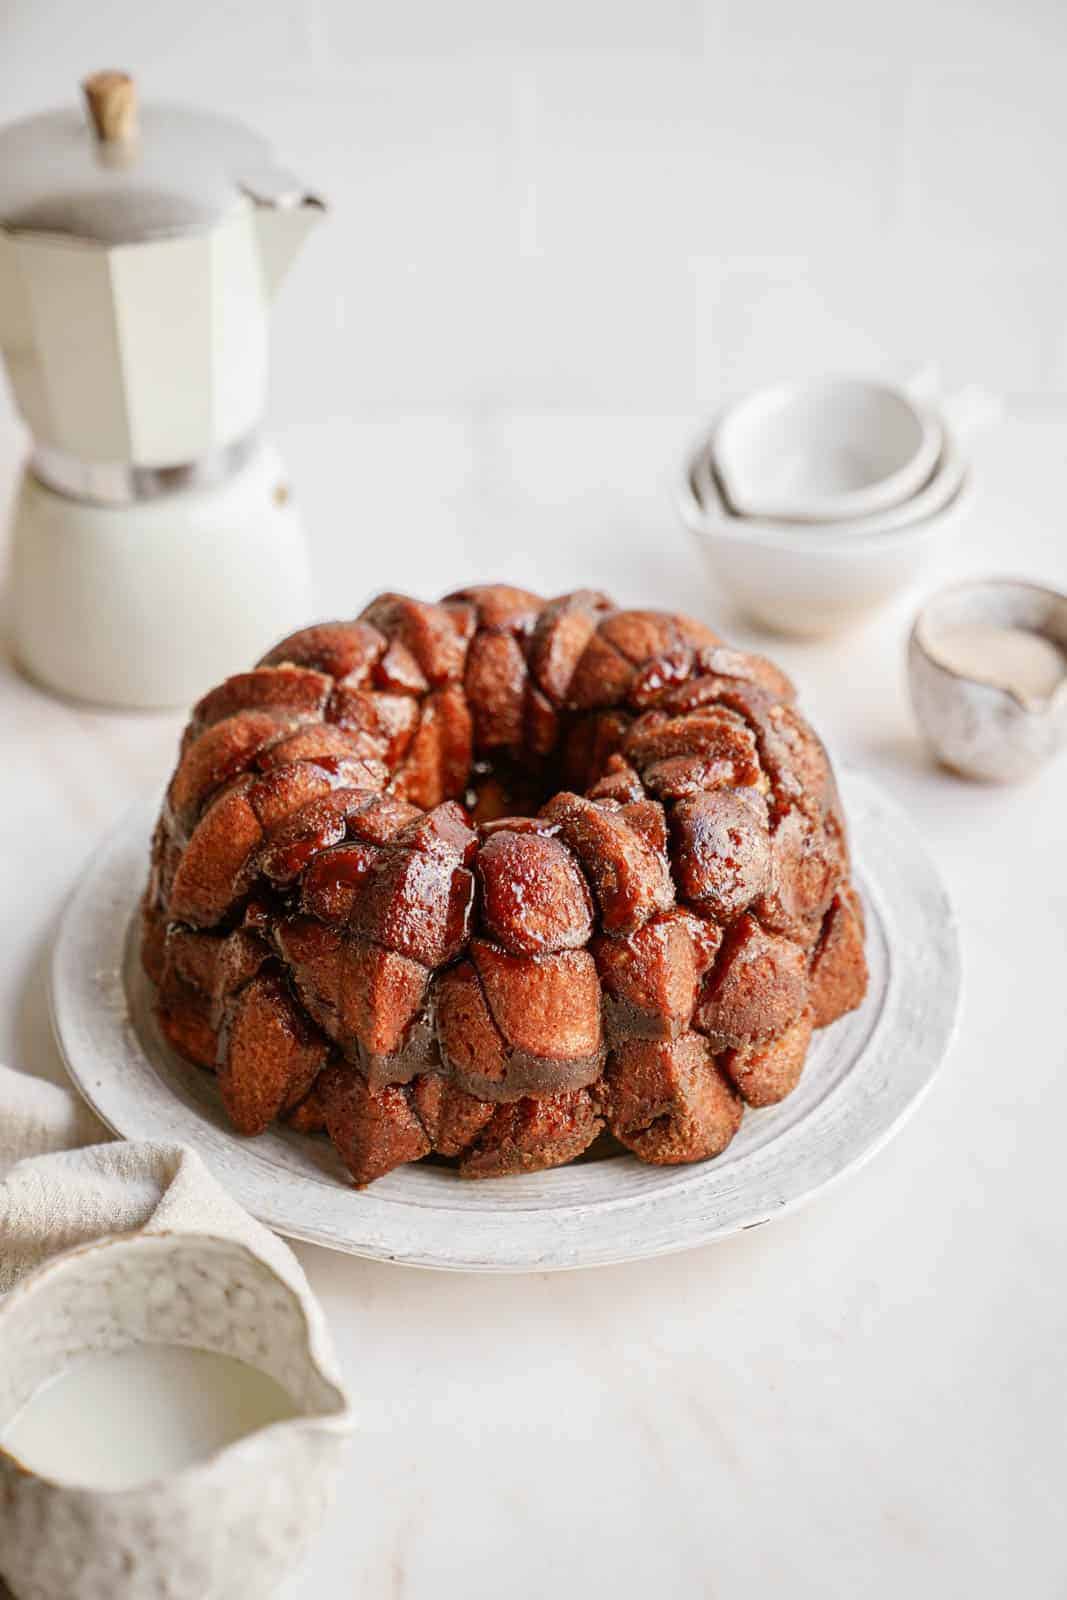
[(634, 920)]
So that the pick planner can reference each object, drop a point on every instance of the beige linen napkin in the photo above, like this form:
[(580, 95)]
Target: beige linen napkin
[(64, 1180)]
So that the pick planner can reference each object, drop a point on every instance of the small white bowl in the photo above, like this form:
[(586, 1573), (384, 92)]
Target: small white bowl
[(813, 582), (942, 486), (976, 727), (824, 452), (229, 1527)]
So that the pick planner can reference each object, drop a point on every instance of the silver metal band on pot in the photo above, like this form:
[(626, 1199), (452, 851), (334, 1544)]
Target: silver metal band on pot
[(119, 483)]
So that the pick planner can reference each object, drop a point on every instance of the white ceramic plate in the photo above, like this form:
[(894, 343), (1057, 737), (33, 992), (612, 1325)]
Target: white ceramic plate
[(863, 1075)]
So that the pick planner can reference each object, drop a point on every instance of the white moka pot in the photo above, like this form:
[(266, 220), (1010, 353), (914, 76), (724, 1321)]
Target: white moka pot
[(156, 545)]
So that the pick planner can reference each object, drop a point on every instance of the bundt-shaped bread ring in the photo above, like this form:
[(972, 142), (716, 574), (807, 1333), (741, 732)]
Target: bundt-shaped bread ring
[(485, 877)]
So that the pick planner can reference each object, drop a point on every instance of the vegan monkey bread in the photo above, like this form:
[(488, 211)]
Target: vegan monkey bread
[(486, 879)]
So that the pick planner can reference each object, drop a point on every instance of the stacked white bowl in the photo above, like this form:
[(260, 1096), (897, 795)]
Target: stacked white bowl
[(813, 503)]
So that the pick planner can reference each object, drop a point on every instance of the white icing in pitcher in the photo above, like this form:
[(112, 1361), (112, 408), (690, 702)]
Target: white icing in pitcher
[(117, 1419), (1018, 659)]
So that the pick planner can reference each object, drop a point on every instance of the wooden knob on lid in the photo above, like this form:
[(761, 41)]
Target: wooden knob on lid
[(112, 100)]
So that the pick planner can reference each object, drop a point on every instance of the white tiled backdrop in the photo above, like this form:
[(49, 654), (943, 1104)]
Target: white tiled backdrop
[(624, 205), (613, 208)]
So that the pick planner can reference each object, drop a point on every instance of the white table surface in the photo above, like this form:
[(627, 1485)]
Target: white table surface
[(866, 1397)]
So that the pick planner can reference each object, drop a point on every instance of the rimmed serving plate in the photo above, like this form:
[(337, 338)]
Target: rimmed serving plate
[(864, 1074)]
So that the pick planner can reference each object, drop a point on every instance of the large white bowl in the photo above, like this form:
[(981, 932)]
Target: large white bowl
[(822, 452), (811, 582)]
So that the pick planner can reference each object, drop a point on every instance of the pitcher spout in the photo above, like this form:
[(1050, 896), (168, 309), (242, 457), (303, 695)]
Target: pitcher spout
[(286, 211)]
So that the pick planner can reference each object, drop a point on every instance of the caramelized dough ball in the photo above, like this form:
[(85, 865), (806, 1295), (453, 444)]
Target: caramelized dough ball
[(630, 879), (531, 1135), (193, 956), (484, 1061), (383, 819), (242, 953), (309, 1115), (184, 1015), (643, 636), (720, 851), (218, 864), (758, 986), (438, 761), (325, 745), (442, 832), (375, 723), (547, 1007), (450, 1118), (331, 881), (399, 672), (668, 1102), (533, 895), (806, 867), (287, 691), (500, 605), (619, 782), (217, 755), (313, 954), (381, 995), (559, 639), (471, 1044), (717, 738), (416, 904), (430, 632), (373, 1129), (344, 651), (765, 1073), (294, 842), (495, 687), (651, 978), (720, 661), (269, 1057), (839, 966), (602, 677)]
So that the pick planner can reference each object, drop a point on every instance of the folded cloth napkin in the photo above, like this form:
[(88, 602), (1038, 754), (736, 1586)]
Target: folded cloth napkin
[(65, 1180)]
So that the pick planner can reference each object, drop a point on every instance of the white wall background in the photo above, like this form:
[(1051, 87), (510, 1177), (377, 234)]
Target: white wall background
[(563, 209), (624, 205)]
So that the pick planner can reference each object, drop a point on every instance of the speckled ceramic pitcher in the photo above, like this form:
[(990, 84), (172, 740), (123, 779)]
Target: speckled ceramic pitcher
[(232, 1525)]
